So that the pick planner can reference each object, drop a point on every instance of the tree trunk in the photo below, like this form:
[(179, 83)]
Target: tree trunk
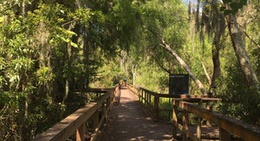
[(86, 52), (215, 59), (68, 75), (45, 58), (185, 66), (189, 10), (69, 84), (218, 24), (239, 48), (197, 16)]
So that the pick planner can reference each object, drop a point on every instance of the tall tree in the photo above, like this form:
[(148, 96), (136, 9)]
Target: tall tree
[(238, 43)]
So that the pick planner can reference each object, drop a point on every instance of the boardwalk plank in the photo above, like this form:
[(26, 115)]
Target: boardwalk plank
[(128, 122)]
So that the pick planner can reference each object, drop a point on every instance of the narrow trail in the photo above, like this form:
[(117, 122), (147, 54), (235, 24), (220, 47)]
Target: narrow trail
[(128, 122)]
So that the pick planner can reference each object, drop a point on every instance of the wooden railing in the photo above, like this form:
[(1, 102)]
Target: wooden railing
[(160, 105), (186, 108), (74, 126), (153, 101), (227, 126)]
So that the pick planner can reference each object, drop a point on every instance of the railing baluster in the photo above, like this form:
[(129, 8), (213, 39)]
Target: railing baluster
[(143, 97), (95, 119), (175, 122), (80, 133), (149, 100), (156, 107), (198, 131), (224, 135), (185, 120), (146, 101)]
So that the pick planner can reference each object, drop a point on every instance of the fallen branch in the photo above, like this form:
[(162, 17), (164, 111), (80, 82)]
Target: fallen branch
[(184, 65)]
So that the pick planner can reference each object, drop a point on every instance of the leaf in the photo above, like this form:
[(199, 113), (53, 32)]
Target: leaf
[(2, 63), (71, 32), (1, 19), (64, 39), (14, 78), (74, 44)]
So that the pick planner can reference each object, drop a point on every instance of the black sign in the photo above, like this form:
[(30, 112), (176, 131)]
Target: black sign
[(178, 84)]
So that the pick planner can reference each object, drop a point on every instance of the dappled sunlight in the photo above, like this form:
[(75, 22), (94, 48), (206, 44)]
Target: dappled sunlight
[(130, 122)]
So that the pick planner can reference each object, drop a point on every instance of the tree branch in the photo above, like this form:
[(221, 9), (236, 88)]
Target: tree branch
[(248, 36), (184, 65), (161, 66)]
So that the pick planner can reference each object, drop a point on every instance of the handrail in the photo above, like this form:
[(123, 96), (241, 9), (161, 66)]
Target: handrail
[(227, 126), (75, 123), (151, 100), (183, 96)]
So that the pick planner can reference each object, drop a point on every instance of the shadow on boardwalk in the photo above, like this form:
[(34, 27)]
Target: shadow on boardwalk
[(128, 121)]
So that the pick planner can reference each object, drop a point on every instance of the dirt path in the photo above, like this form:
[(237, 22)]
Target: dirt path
[(128, 122)]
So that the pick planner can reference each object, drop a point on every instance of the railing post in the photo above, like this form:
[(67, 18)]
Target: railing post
[(156, 107), (105, 106), (149, 100), (142, 97), (97, 94), (139, 92), (145, 99), (95, 119), (199, 124), (185, 120), (224, 135), (209, 108), (175, 122), (80, 133)]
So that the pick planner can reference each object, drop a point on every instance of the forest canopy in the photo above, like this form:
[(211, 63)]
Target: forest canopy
[(51, 49)]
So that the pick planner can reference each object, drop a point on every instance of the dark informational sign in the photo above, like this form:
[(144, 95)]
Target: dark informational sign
[(178, 84)]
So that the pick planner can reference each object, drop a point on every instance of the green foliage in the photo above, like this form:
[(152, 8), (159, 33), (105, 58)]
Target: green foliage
[(49, 48), (30, 43), (150, 76), (82, 15), (44, 75), (158, 23), (241, 101)]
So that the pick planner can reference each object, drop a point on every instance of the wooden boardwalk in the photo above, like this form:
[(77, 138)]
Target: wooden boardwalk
[(128, 121)]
